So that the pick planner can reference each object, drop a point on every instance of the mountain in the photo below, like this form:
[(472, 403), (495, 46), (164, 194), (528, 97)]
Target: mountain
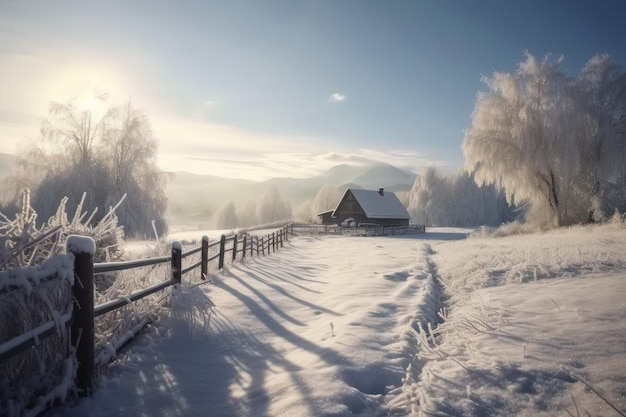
[(384, 175)]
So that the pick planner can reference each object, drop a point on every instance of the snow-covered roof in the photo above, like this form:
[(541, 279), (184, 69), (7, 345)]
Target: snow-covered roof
[(378, 205)]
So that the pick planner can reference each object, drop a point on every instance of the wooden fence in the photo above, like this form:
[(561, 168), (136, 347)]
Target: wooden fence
[(81, 321), (332, 229)]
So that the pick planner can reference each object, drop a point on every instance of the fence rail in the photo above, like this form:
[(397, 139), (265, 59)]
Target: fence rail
[(81, 319)]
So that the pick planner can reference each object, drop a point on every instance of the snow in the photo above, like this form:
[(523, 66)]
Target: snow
[(375, 205), (81, 244), (430, 324), (28, 278)]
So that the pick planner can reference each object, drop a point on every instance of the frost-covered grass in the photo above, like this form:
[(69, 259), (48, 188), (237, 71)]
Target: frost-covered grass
[(533, 322)]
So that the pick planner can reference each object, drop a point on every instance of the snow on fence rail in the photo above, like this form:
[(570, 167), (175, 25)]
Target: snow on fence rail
[(84, 312)]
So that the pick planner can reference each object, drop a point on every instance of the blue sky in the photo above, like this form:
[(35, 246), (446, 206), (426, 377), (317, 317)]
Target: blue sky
[(257, 89)]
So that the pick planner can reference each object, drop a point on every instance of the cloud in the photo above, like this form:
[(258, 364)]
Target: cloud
[(272, 159), (336, 98)]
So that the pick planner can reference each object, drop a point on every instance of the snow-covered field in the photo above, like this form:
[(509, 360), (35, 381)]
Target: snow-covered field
[(431, 324)]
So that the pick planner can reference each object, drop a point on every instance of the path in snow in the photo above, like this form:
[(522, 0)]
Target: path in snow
[(319, 328)]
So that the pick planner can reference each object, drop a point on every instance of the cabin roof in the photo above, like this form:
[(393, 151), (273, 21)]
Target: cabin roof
[(377, 204)]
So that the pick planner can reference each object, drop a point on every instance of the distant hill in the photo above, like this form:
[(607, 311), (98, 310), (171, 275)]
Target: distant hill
[(385, 173), (194, 198)]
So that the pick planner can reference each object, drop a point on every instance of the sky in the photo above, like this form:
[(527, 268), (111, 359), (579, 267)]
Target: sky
[(277, 88)]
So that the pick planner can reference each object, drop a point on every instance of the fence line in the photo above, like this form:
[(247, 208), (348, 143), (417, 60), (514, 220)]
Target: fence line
[(81, 319), (333, 229)]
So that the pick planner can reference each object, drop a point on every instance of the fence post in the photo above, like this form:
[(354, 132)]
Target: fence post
[(243, 251), (222, 247), (251, 245), (177, 261), (282, 234), (262, 246), (82, 329), (204, 267), (274, 241), (235, 248)]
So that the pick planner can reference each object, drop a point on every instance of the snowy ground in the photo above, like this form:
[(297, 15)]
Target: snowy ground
[(327, 327)]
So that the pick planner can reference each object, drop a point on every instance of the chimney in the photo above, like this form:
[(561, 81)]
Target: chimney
[(381, 191)]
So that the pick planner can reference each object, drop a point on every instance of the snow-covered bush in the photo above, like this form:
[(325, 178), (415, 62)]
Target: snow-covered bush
[(35, 288), (24, 242)]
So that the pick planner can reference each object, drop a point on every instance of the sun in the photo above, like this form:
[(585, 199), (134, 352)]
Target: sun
[(93, 101)]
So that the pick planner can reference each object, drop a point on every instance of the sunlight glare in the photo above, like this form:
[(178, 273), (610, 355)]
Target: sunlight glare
[(92, 101)]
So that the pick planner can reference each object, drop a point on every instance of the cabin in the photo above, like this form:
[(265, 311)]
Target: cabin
[(327, 217), (369, 206)]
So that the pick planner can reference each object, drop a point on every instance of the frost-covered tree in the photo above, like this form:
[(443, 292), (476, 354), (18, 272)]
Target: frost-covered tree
[(601, 97), (424, 189), (327, 198), (538, 135), (129, 153), (109, 153), (77, 125), (272, 207), (248, 214), (226, 217), (455, 200), (304, 212)]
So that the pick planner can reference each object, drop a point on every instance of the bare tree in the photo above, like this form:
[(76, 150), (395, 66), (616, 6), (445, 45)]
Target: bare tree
[(77, 129), (108, 155), (128, 149)]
